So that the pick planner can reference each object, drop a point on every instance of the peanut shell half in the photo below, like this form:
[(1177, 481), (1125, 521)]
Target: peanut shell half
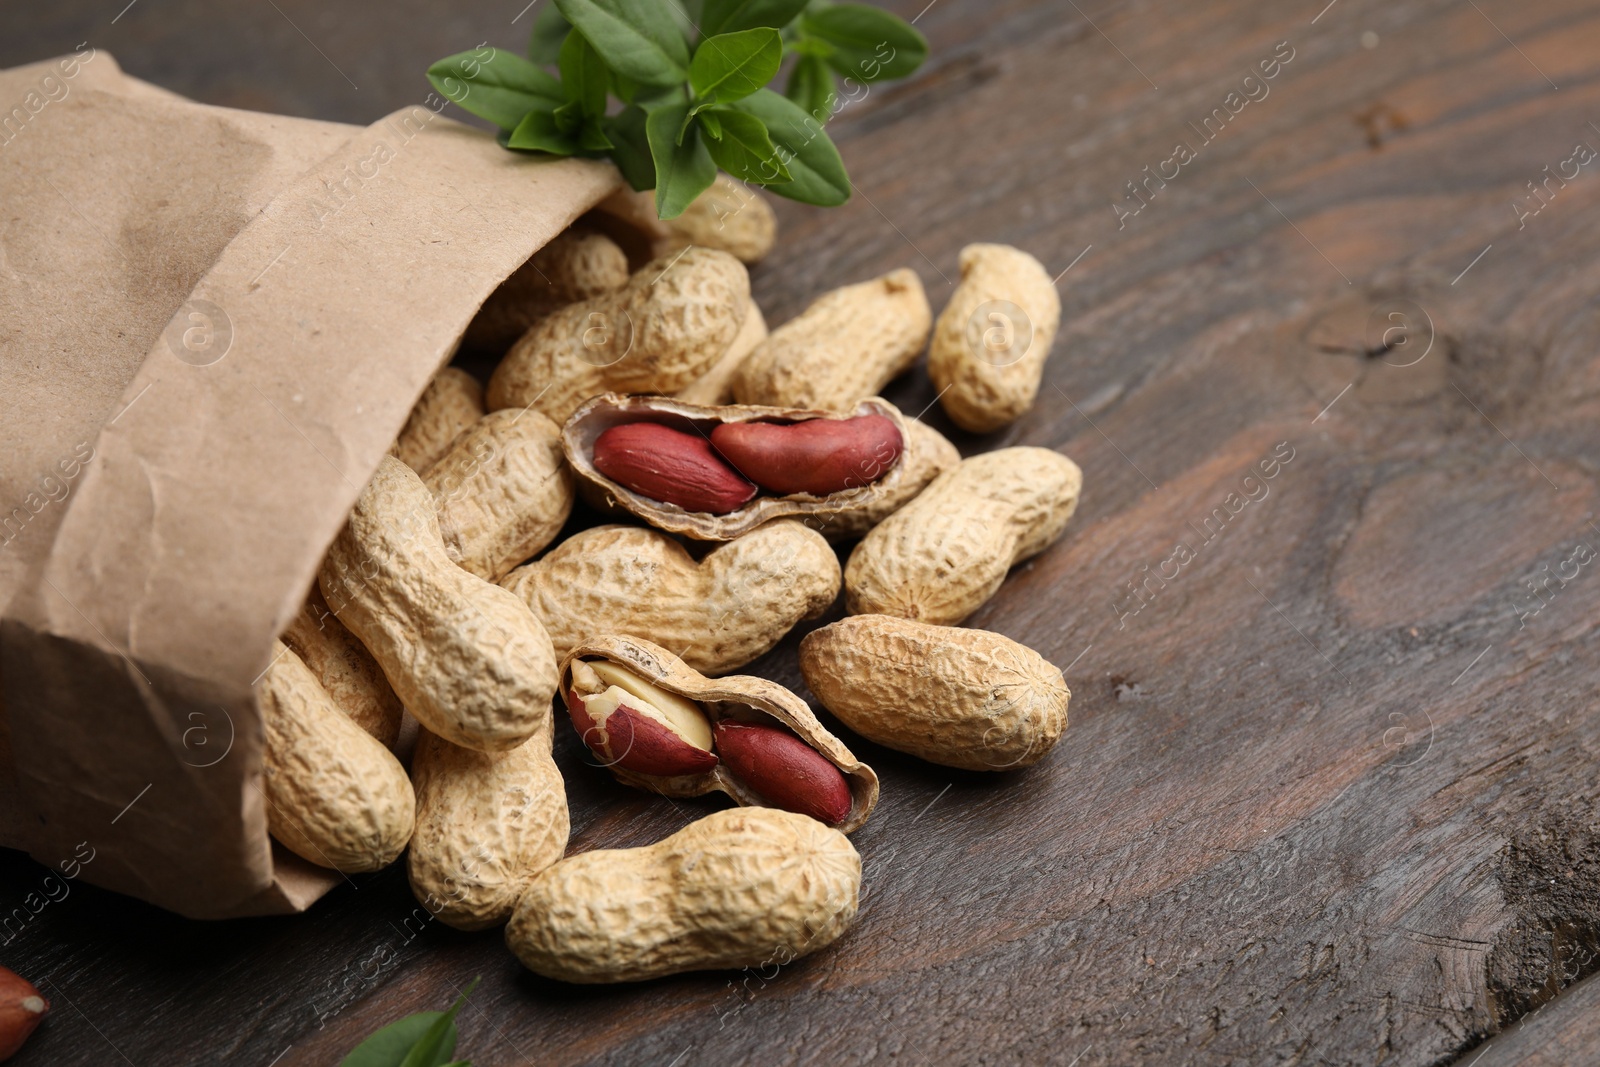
[(742, 697), (821, 513)]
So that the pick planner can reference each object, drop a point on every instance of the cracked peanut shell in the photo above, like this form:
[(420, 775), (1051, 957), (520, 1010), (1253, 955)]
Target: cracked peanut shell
[(952, 696), (830, 514), (743, 698)]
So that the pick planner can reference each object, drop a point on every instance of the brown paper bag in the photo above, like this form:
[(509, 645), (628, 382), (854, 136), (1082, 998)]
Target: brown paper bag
[(213, 324)]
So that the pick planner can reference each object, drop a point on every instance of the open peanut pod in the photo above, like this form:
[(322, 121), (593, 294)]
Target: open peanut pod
[(658, 724), (714, 473)]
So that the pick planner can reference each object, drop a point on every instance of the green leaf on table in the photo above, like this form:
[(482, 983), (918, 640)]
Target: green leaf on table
[(637, 38), (584, 75), (745, 149), (630, 147), (817, 173), (731, 66), (550, 28), (684, 169), (437, 1045), (726, 16), (868, 44), (494, 84), (811, 85), (540, 131), (389, 1046)]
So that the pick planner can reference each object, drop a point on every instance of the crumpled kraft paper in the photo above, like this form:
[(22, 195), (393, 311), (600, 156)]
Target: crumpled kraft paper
[(212, 325)]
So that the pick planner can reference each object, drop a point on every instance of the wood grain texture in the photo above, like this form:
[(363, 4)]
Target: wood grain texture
[(1328, 795)]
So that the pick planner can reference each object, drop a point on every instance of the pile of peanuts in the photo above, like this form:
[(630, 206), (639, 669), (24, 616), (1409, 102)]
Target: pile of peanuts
[(411, 703)]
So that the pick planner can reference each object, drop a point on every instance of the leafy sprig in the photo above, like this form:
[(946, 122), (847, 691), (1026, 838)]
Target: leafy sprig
[(674, 90)]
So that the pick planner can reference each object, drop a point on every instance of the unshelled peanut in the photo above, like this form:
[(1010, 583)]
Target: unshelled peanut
[(843, 348), (452, 401), (742, 888), (335, 796), (957, 697), (946, 552), (487, 823), (991, 341), (577, 264), (722, 612), (345, 668), (466, 657), (729, 216), (503, 491), (715, 386), (665, 328)]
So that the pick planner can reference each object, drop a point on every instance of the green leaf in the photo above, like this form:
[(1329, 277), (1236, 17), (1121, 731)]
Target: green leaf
[(539, 131), (731, 66), (569, 117), (627, 89), (811, 86), (713, 127), (726, 16), (388, 1047), (630, 147), (592, 137), (683, 171), (584, 75), (437, 1046), (494, 84), (817, 172), (550, 28), (637, 38), (868, 44), (745, 149)]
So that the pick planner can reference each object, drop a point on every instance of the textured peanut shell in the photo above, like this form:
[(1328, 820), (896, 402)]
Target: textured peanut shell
[(819, 512), (715, 386), (345, 668), (719, 613), (957, 697), (665, 328), (466, 657), (729, 216), (741, 697), (928, 454), (487, 823), (452, 401), (983, 387), (946, 552), (335, 796), (503, 491), (845, 347), (748, 887), (577, 264)]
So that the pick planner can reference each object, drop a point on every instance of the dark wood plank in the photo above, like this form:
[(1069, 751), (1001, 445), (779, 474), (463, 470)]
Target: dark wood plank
[(1328, 795)]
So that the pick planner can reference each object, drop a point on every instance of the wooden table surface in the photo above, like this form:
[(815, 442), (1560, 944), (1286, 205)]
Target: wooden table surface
[(1329, 792)]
